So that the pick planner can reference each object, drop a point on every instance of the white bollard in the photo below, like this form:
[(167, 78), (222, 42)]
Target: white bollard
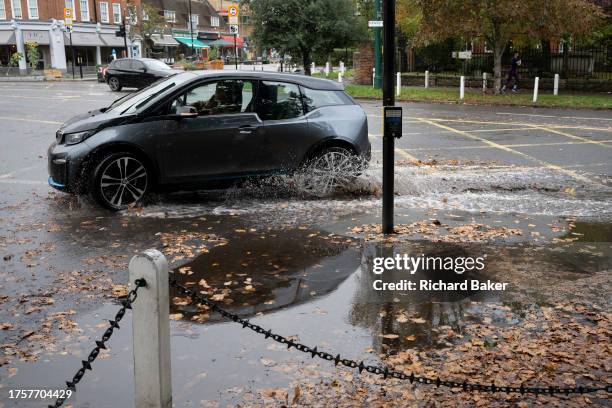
[(151, 331), (426, 79), (373, 77), (462, 87), (484, 82), (312, 67), (536, 84), (556, 85), (398, 85), (340, 76), (327, 68), (342, 67)]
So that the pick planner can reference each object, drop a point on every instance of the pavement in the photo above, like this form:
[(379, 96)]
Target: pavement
[(545, 172)]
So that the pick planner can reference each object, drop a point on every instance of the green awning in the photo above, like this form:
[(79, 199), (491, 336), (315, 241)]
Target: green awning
[(187, 41)]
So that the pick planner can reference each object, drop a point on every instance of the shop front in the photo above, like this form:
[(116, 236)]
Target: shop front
[(164, 47)]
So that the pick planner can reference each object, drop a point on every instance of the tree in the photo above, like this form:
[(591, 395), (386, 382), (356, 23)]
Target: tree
[(32, 53), (500, 21), (153, 24), (301, 28)]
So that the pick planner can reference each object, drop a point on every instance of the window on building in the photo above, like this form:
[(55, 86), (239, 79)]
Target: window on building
[(195, 20), (133, 15), (33, 9), (16, 9), (84, 5), (104, 17), (170, 16), (214, 21), (245, 20), (117, 13), (145, 15), (2, 11)]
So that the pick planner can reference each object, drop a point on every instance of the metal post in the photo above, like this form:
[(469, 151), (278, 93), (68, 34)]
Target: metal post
[(484, 82), (462, 87), (374, 77), (235, 52), (377, 81), (191, 28), (388, 100), (556, 85), (151, 331), (340, 76), (426, 79), (73, 57), (535, 89)]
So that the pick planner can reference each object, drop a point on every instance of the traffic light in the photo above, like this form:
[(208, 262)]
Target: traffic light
[(121, 31)]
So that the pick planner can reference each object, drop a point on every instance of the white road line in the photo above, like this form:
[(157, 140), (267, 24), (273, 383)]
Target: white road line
[(25, 182), (12, 173), (417, 149), (550, 116), (51, 122)]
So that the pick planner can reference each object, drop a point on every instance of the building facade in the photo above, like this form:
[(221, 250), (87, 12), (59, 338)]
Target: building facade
[(91, 41)]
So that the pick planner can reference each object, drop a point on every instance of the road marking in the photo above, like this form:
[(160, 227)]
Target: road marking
[(63, 98), (516, 152), (585, 140), (506, 145), (549, 125), (550, 116), (51, 122), (12, 173), (26, 182), (398, 150)]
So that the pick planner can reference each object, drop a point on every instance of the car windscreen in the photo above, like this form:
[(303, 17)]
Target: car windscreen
[(138, 101), (157, 65)]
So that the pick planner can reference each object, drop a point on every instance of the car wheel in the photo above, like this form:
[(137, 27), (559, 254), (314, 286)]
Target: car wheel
[(114, 84), (120, 180), (328, 170)]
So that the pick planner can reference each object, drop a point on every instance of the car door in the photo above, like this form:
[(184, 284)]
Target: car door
[(286, 138), (139, 74), (221, 141)]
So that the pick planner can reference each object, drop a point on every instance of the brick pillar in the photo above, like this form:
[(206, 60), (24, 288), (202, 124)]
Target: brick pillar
[(363, 62)]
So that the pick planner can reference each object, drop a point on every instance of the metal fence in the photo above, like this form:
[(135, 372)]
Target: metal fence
[(581, 61)]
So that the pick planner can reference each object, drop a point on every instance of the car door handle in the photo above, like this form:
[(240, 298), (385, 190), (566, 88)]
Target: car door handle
[(246, 129)]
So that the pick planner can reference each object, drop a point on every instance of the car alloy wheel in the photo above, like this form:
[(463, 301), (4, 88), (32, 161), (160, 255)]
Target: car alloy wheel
[(122, 181), (114, 84), (331, 169)]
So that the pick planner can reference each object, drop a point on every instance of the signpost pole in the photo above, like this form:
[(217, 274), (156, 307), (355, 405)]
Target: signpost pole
[(377, 47), (72, 49), (235, 52), (388, 100), (191, 27)]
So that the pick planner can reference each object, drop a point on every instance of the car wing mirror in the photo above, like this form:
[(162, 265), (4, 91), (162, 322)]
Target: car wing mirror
[(187, 111)]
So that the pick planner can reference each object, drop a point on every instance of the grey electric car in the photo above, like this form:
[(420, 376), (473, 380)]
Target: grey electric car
[(195, 128)]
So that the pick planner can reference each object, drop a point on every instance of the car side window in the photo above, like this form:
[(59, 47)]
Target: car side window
[(279, 100), (218, 98), (314, 98), (137, 65)]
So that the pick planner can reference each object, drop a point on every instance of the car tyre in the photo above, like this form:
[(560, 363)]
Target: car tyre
[(114, 84), (328, 170), (120, 180)]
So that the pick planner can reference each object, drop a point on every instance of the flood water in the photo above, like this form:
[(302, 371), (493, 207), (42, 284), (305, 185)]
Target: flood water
[(298, 267)]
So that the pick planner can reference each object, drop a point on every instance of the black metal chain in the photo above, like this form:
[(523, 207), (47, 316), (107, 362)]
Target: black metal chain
[(383, 371), (100, 344)]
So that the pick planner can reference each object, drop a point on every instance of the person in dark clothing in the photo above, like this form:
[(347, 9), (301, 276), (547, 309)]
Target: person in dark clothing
[(513, 73)]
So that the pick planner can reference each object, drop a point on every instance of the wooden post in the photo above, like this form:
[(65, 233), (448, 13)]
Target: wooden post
[(462, 87), (426, 79), (151, 331), (535, 89), (556, 85), (398, 85)]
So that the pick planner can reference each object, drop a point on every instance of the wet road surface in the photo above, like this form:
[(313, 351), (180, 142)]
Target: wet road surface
[(299, 266)]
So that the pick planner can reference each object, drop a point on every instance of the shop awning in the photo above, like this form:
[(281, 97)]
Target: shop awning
[(84, 39), (164, 41), (221, 43), (230, 38), (7, 37), (111, 40), (187, 41)]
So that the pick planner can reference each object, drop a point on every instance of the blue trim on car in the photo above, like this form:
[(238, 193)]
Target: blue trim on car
[(55, 184)]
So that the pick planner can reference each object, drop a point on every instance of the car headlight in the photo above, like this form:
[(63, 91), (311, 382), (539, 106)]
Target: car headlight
[(78, 137)]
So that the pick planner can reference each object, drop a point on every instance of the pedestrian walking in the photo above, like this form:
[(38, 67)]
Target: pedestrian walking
[(513, 73)]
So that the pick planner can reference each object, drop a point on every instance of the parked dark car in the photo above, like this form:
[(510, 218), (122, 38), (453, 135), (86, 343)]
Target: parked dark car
[(194, 128), (136, 72)]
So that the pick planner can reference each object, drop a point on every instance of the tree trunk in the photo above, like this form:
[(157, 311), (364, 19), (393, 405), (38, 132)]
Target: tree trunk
[(306, 61), (498, 52)]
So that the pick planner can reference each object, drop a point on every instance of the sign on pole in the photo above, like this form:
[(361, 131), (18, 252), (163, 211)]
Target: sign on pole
[(68, 13), (232, 14), (375, 23), (234, 29)]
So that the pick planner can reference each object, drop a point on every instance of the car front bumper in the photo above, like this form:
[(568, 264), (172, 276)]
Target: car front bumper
[(64, 164)]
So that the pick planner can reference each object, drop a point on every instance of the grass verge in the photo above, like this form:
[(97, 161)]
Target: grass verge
[(523, 98)]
